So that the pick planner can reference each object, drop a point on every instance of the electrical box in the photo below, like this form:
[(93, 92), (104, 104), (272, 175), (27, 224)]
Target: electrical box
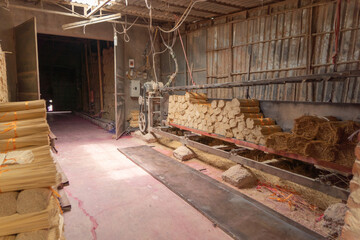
[(131, 63), (134, 88)]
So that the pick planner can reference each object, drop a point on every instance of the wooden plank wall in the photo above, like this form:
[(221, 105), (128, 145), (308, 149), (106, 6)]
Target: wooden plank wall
[(291, 38)]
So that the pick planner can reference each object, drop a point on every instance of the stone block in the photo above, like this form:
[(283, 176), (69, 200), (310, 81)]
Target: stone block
[(183, 153), (149, 138), (239, 176)]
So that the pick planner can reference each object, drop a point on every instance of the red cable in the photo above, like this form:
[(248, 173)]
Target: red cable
[(187, 62)]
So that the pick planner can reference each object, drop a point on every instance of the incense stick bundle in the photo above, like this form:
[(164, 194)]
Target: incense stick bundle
[(14, 131), (22, 115), (12, 237), (27, 176), (25, 122), (35, 140), (33, 200), (21, 106), (19, 223), (42, 153), (51, 234), (8, 203)]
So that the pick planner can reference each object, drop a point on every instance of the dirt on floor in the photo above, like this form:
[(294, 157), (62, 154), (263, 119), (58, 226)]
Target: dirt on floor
[(313, 203)]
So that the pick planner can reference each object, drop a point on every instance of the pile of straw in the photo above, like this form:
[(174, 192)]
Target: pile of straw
[(323, 138)]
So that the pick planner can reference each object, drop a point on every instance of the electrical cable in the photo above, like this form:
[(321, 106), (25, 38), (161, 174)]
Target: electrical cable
[(182, 18), (172, 53), (125, 29), (187, 62)]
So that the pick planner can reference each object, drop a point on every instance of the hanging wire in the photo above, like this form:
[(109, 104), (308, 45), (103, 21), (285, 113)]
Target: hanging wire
[(182, 18), (125, 29)]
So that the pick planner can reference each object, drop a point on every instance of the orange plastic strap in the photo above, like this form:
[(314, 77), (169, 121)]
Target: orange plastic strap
[(15, 116), (4, 115), (13, 140), (56, 195), (11, 127)]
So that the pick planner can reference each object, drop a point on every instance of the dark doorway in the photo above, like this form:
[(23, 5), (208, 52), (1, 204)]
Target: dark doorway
[(61, 72)]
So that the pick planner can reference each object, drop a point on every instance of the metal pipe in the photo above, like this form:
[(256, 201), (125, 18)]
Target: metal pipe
[(297, 79)]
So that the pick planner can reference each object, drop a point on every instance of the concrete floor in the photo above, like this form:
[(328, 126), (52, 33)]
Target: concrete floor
[(111, 197)]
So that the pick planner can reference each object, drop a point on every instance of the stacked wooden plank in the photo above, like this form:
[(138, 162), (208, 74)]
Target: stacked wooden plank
[(29, 208), (323, 138), (238, 118)]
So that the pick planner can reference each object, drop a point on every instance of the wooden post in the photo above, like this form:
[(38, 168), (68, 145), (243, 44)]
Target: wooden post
[(100, 77), (87, 73)]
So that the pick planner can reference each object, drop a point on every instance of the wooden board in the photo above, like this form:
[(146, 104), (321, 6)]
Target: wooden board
[(238, 215), (64, 201), (27, 65)]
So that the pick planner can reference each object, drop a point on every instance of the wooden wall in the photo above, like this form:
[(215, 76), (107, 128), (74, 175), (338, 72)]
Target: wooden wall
[(291, 38)]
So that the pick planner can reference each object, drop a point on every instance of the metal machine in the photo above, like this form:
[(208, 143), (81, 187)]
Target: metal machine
[(150, 114)]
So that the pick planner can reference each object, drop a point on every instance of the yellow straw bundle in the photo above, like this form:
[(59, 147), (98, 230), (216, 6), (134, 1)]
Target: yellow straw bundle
[(26, 122), (35, 140), (19, 223), (22, 115), (13, 131), (27, 176), (21, 106)]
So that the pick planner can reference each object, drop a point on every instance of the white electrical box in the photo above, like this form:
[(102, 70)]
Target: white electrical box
[(134, 88)]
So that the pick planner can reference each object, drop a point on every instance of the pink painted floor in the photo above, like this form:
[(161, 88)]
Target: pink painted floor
[(111, 197)]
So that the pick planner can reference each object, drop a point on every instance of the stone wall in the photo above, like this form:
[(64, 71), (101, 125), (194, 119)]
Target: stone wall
[(351, 229)]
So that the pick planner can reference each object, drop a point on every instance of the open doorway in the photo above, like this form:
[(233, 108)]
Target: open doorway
[(77, 75)]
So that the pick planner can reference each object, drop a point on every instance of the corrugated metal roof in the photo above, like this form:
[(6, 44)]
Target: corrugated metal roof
[(169, 10)]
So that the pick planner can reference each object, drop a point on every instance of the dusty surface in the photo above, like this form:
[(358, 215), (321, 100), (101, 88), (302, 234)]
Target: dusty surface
[(310, 218), (334, 218), (111, 197)]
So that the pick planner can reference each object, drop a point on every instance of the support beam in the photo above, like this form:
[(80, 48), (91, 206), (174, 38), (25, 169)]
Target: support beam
[(338, 76), (100, 77), (97, 8), (91, 21)]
